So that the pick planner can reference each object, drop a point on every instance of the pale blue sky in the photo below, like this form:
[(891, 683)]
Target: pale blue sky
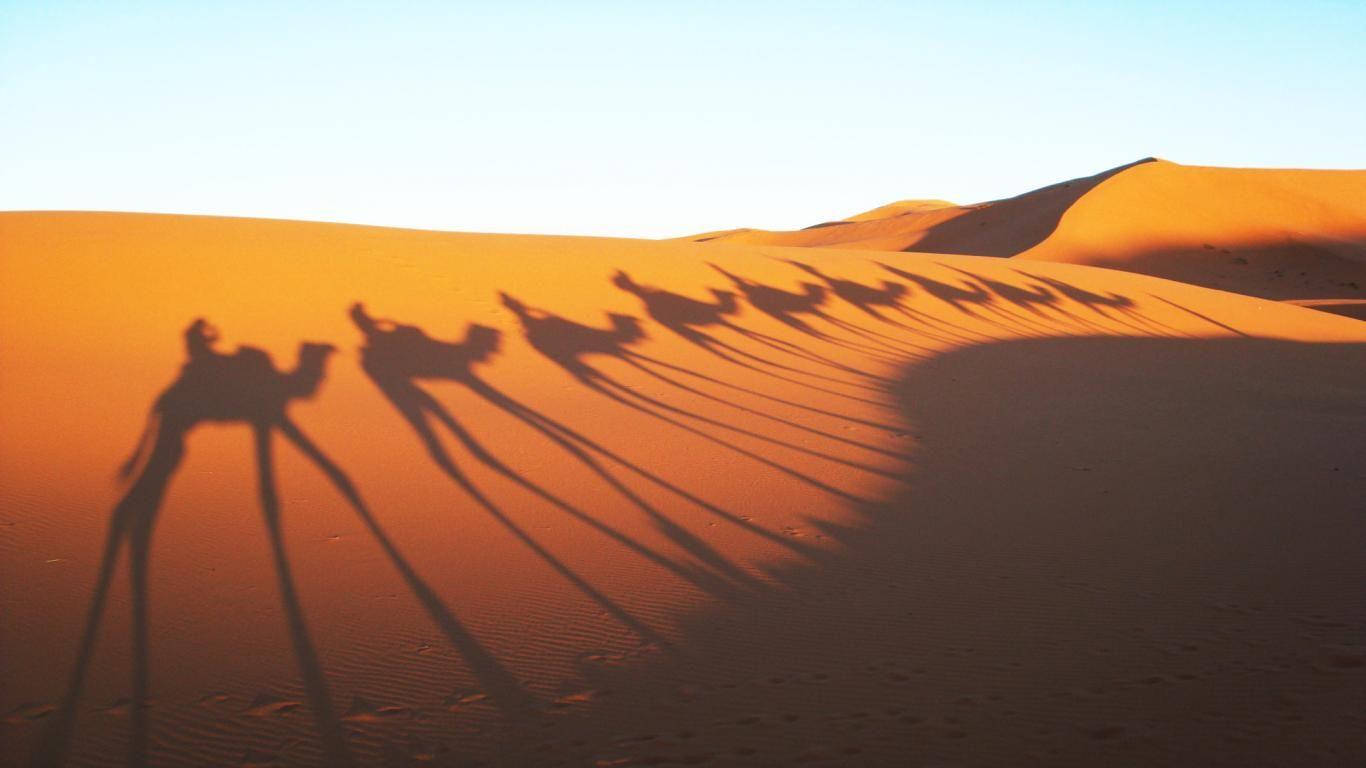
[(649, 119)]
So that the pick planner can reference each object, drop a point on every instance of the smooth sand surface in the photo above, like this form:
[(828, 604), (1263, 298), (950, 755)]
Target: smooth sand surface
[(998, 228), (1277, 234), (586, 501)]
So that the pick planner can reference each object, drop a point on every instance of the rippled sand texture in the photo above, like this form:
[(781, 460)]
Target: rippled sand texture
[(451, 499)]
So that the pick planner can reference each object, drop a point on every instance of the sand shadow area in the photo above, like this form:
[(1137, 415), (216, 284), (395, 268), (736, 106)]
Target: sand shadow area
[(1110, 551)]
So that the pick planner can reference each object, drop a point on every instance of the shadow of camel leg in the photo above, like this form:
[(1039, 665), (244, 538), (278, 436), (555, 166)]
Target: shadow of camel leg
[(52, 744), (134, 515), (139, 550), (315, 683), (498, 683), (423, 404)]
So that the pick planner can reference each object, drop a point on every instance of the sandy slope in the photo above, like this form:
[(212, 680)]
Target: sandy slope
[(999, 228), (1280, 234), (1272, 233), (590, 501)]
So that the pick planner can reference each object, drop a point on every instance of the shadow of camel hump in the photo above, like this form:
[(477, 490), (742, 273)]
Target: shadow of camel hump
[(395, 356), (687, 317), (245, 387), (568, 344), (396, 376), (793, 309)]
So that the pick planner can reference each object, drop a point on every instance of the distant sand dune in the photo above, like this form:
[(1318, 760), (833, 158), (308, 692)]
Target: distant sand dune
[(1278, 234), (1269, 233)]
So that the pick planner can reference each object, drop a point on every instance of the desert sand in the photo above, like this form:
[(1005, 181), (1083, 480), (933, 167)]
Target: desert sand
[(1279, 234), (423, 498)]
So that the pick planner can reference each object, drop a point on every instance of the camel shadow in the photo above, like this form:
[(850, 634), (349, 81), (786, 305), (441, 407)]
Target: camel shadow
[(791, 309), (397, 356), (683, 316), (241, 387), (879, 302), (1114, 307), (568, 344), (973, 299), (687, 317)]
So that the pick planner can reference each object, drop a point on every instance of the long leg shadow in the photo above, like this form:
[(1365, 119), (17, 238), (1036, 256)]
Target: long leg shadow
[(415, 405), (315, 682), (788, 308), (973, 301), (131, 524), (772, 398), (213, 386), (566, 343), (397, 354), (876, 301), (240, 387), (1204, 317), (502, 687), (868, 300), (1029, 300), (1115, 308), (686, 317), (646, 364), (582, 448)]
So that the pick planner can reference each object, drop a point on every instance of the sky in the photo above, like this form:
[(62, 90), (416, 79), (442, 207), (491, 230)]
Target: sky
[(649, 119)]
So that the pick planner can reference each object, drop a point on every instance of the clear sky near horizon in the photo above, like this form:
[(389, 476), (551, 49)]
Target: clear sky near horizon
[(649, 119)]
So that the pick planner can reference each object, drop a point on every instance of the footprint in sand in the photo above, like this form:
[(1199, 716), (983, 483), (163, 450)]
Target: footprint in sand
[(119, 708), (578, 697), (28, 712), (267, 705), (463, 698), (363, 711)]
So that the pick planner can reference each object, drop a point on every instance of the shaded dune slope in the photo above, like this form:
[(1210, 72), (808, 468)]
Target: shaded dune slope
[(1092, 579)]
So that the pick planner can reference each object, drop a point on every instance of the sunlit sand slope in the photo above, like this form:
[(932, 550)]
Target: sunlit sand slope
[(413, 497), (1272, 233), (1280, 234), (999, 228)]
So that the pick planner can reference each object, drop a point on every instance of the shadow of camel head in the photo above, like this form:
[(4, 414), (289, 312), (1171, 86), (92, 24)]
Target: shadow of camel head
[(626, 328), (517, 307), (312, 367), (623, 281), (482, 342)]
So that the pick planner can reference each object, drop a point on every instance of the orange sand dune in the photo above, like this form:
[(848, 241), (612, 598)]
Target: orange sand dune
[(1277, 234), (1280, 234), (999, 228), (435, 498)]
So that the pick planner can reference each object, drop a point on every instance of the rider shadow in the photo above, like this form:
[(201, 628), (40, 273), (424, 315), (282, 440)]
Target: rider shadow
[(789, 309), (687, 317), (567, 344), (1033, 300), (973, 301), (240, 387), (878, 301), (396, 356), (683, 316)]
